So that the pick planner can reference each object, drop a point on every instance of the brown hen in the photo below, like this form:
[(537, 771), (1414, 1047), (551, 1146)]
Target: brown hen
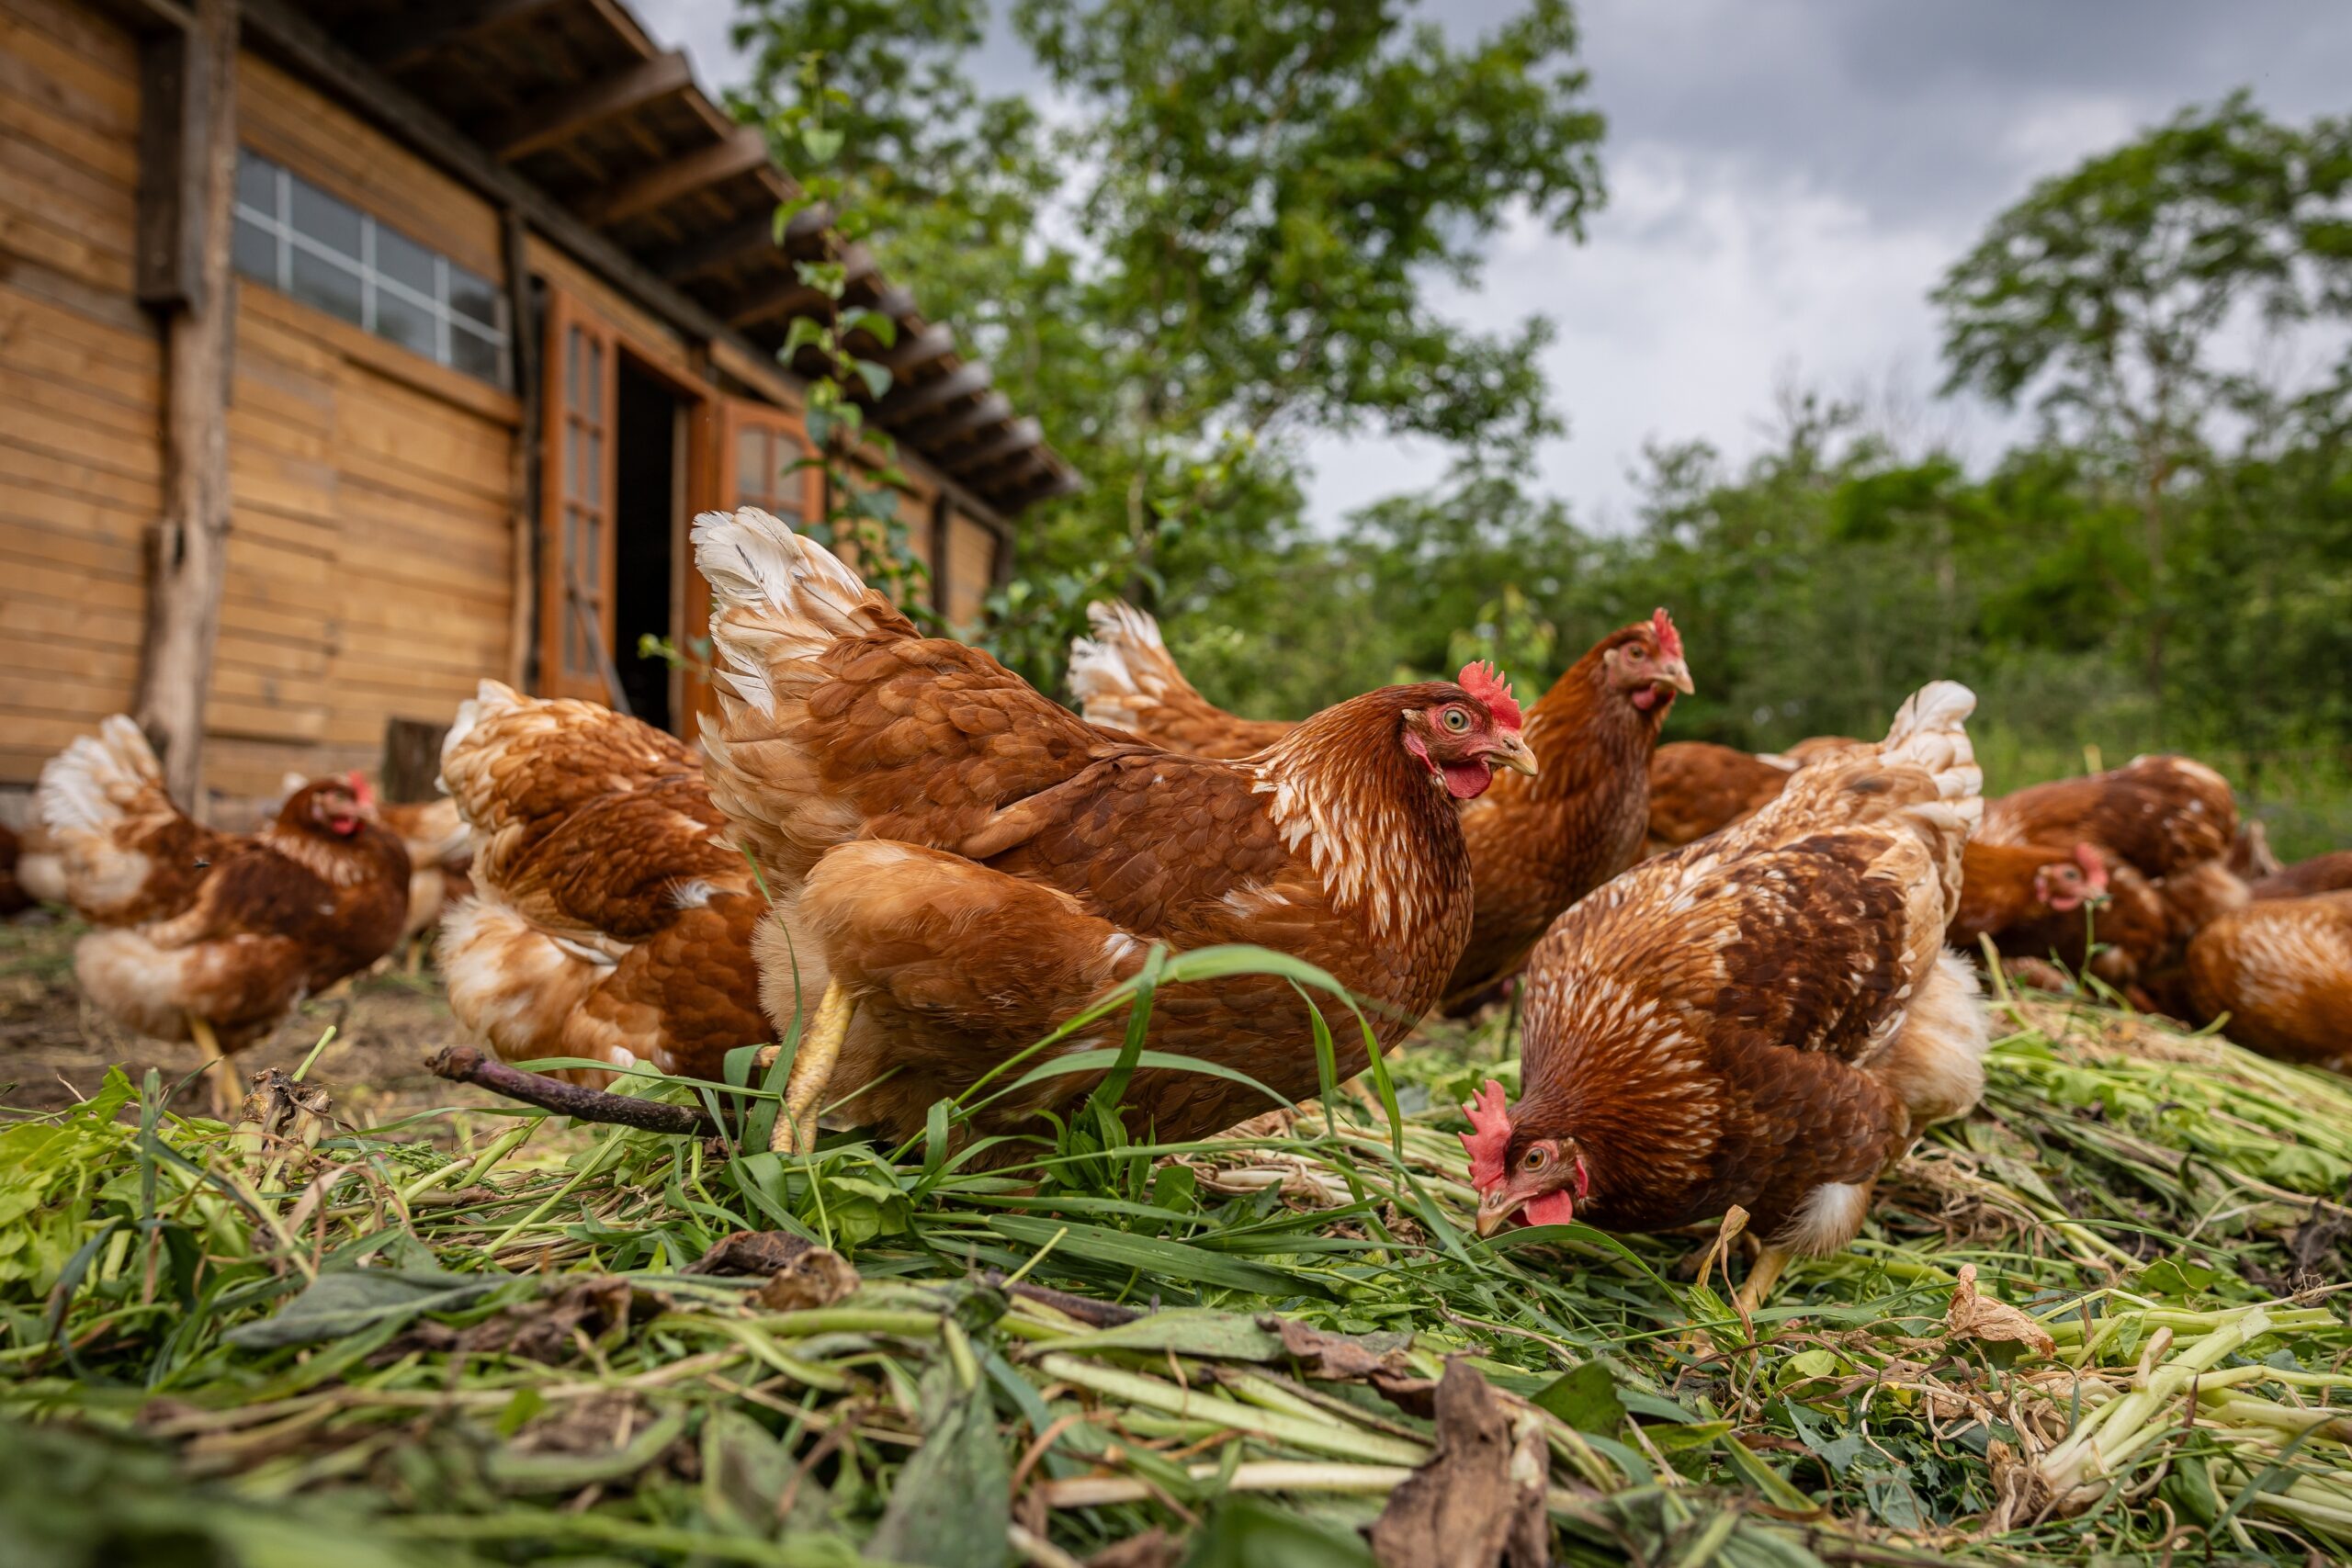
[(962, 865), (1764, 1019), (210, 936), (611, 918), (2164, 813), (1537, 844), (2281, 969), (2330, 872)]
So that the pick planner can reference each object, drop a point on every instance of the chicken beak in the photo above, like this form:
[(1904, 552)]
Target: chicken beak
[(1677, 674), (1495, 1211), (1515, 754)]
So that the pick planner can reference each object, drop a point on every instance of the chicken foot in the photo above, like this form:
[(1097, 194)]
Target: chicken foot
[(219, 1080), (813, 1069)]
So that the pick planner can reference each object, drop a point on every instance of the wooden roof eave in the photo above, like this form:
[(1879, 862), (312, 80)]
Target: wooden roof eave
[(297, 41)]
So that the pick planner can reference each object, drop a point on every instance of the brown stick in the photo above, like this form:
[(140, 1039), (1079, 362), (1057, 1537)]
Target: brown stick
[(1086, 1309), (464, 1063)]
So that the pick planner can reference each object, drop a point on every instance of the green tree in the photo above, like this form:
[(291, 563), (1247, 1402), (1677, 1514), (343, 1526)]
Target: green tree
[(2104, 295), (1255, 198)]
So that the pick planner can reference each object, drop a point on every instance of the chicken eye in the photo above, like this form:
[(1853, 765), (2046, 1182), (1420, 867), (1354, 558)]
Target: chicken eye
[(1532, 1160), (1457, 720)]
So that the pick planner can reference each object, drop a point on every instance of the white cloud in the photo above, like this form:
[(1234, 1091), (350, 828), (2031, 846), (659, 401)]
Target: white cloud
[(1703, 285), (1788, 179)]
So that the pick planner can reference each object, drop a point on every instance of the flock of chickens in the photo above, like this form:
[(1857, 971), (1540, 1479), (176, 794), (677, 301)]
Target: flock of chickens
[(1742, 978)]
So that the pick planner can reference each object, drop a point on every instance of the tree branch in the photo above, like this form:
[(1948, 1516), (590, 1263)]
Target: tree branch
[(464, 1063)]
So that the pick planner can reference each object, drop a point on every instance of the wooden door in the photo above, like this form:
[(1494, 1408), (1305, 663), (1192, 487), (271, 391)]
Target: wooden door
[(577, 554), (748, 454), (761, 449)]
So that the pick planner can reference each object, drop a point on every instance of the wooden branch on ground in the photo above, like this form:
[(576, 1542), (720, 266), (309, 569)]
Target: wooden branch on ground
[(464, 1063)]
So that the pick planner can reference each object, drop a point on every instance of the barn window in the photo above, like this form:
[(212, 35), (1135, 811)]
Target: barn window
[(326, 253)]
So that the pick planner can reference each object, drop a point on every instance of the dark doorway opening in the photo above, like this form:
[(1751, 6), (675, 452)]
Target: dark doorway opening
[(646, 497)]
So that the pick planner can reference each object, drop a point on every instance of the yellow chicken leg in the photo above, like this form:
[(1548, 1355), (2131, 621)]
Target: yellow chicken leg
[(813, 1069), (216, 1064), (1762, 1275)]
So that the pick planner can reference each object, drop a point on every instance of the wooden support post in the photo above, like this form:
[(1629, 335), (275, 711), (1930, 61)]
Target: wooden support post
[(195, 149), (524, 340)]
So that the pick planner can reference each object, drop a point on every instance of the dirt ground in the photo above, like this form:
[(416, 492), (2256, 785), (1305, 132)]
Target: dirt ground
[(54, 1048)]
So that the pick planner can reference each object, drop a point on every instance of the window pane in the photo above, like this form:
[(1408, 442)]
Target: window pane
[(406, 324), (474, 355), (575, 351), (327, 285), (787, 483), (593, 481), (325, 220), (751, 468), (592, 559), (256, 252), (595, 407), (402, 260), (257, 184), (472, 296)]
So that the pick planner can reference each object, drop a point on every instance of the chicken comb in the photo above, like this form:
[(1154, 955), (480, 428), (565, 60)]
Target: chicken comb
[(1482, 681), (1489, 1143), (2094, 865), (1669, 641), (359, 790)]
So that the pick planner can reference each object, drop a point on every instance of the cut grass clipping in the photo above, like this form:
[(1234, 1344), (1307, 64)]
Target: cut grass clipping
[(2091, 1323)]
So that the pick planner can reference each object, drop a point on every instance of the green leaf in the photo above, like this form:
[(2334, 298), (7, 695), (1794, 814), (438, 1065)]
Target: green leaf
[(2169, 1279), (805, 332), (876, 377), (563, 1470), (1245, 1533), (951, 1506), (346, 1300), (819, 143), (1188, 1331), (1586, 1398), (1159, 1257), (880, 327)]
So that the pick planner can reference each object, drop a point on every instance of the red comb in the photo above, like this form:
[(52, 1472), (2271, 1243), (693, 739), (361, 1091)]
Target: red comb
[(359, 790), (1669, 641), (1489, 1113), (1482, 681), (2094, 865)]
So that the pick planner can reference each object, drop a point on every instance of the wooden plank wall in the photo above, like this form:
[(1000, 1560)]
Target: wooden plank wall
[(370, 562), (971, 569), (80, 454)]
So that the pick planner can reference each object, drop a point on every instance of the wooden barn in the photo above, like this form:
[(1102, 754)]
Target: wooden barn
[(353, 350)]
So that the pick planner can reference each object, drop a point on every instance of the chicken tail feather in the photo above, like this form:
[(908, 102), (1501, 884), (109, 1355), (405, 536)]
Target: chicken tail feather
[(782, 598), (1114, 664), (100, 779), (1930, 733)]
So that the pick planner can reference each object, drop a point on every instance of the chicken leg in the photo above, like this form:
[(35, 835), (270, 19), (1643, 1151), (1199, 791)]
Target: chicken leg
[(216, 1066), (812, 1068), (1762, 1275)]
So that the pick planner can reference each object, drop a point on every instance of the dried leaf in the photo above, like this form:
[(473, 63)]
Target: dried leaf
[(1478, 1500), (1339, 1356), (752, 1252), (818, 1277), (1153, 1548), (1972, 1317), (541, 1330)]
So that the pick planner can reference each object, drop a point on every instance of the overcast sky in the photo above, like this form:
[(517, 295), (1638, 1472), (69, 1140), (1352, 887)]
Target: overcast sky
[(1787, 179)]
